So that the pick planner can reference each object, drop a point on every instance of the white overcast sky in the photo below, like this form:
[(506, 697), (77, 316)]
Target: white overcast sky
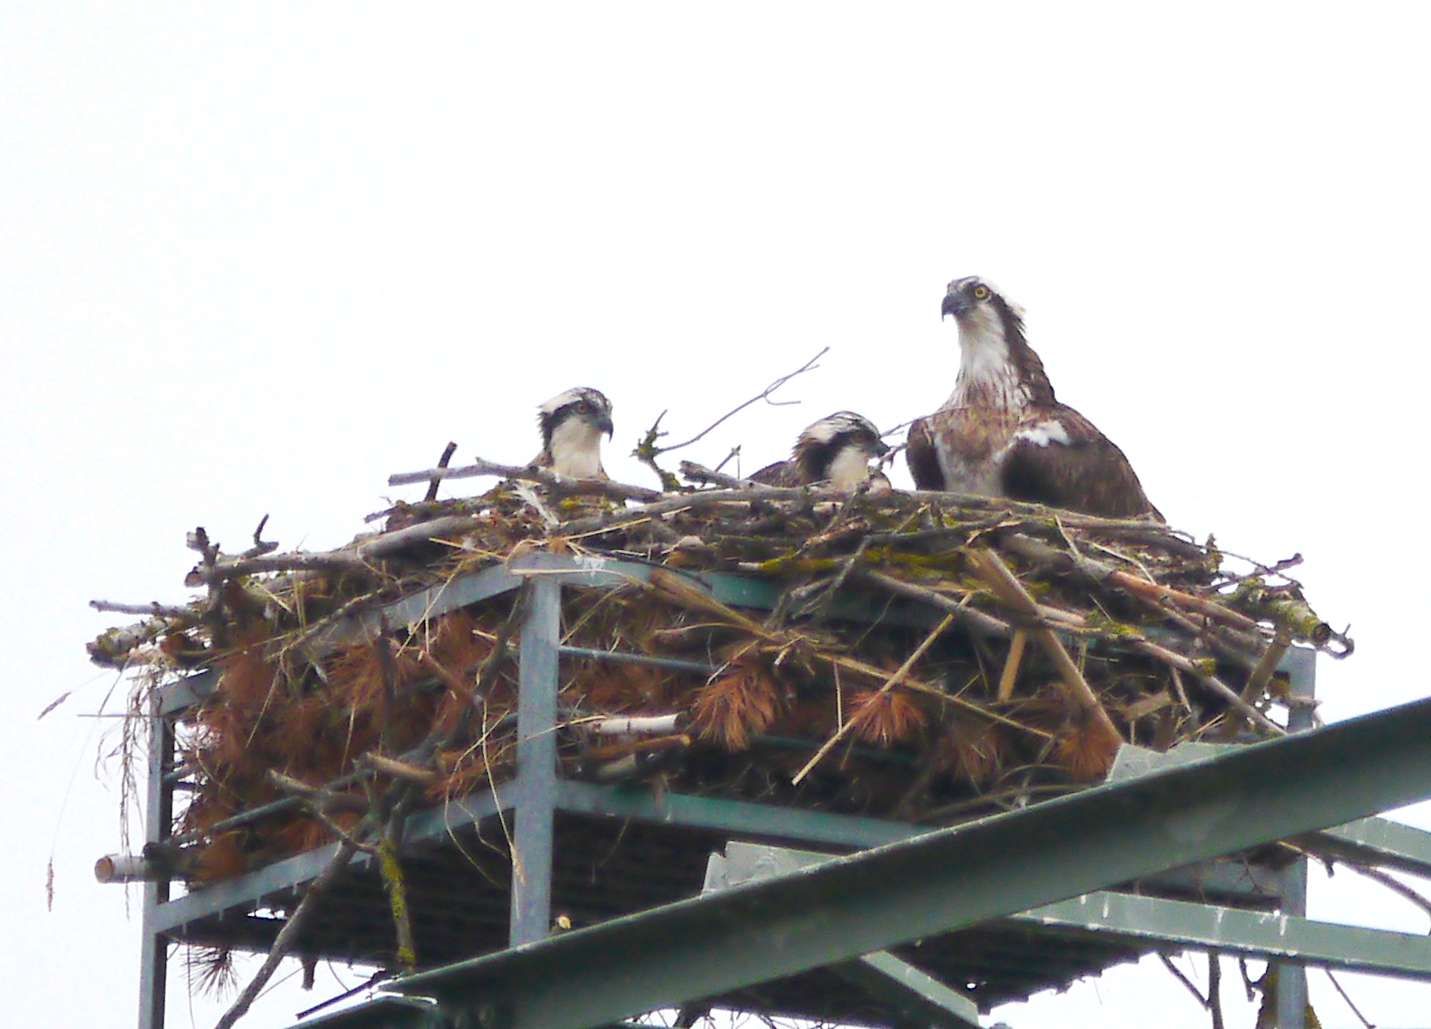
[(255, 258)]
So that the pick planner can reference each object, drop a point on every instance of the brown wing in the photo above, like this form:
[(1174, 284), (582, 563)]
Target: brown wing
[(1087, 473), (919, 454), (781, 473)]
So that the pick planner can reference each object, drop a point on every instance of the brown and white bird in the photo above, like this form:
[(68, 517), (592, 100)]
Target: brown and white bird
[(1002, 433), (572, 425), (837, 449)]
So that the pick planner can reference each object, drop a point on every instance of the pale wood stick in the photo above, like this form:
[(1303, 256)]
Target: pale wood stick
[(562, 483), (399, 769), (1011, 666), (989, 567), (156, 609), (635, 724), (1261, 673), (448, 677), (972, 618), (693, 472), (701, 500), (1212, 682)]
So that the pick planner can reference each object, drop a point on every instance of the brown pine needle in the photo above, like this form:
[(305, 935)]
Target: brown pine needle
[(893, 681)]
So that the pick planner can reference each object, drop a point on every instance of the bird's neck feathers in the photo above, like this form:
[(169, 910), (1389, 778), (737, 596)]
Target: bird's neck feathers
[(575, 449), (997, 367), (849, 467), (836, 460)]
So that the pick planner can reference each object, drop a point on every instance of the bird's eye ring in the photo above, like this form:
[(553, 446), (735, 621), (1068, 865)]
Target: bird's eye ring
[(583, 407), (981, 292)]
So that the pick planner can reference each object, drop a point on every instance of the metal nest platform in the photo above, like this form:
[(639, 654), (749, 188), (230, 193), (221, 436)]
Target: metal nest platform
[(620, 907)]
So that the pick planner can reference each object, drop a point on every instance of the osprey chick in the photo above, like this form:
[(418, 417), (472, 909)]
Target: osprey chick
[(1002, 432), (572, 425), (837, 449)]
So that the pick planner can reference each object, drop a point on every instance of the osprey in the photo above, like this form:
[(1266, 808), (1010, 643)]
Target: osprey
[(572, 425), (1002, 432), (837, 449)]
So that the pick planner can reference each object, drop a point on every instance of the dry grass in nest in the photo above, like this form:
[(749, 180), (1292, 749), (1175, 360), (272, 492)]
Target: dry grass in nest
[(462, 771)]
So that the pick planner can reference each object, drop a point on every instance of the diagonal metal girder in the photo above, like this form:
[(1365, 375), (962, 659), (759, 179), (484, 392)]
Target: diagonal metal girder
[(920, 998), (945, 880)]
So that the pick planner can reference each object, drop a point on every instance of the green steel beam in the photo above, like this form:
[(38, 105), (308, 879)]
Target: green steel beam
[(249, 891), (760, 820), (1260, 934), (945, 880), (1377, 841)]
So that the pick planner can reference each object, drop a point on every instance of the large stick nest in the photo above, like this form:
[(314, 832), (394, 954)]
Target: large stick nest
[(931, 657)]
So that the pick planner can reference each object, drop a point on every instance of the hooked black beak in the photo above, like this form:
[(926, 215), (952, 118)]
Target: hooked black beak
[(604, 424), (955, 304), (880, 448)]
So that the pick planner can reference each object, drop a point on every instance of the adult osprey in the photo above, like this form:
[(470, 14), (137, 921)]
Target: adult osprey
[(1002, 432), (836, 449), (572, 425)]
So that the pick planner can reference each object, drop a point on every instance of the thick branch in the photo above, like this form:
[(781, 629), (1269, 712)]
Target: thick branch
[(288, 935), (561, 483), (442, 462), (972, 618), (989, 567), (700, 501), (156, 609), (351, 558)]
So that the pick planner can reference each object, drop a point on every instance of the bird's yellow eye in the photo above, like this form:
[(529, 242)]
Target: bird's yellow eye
[(583, 407), (981, 292)]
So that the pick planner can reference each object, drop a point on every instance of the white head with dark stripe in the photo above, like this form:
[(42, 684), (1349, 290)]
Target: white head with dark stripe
[(995, 360), (572, 425), (838, 448)]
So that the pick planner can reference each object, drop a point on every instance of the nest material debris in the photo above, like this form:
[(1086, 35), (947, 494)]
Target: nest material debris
[(1029, 644)]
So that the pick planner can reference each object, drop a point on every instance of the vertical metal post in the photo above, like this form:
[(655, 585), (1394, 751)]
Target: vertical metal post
[(158, 822), (536, 764), (1292, 978)]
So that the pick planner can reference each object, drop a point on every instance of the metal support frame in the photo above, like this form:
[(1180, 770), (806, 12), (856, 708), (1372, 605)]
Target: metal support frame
[(158, 822), (1292, 975), (536, 764), (1150, 820)]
